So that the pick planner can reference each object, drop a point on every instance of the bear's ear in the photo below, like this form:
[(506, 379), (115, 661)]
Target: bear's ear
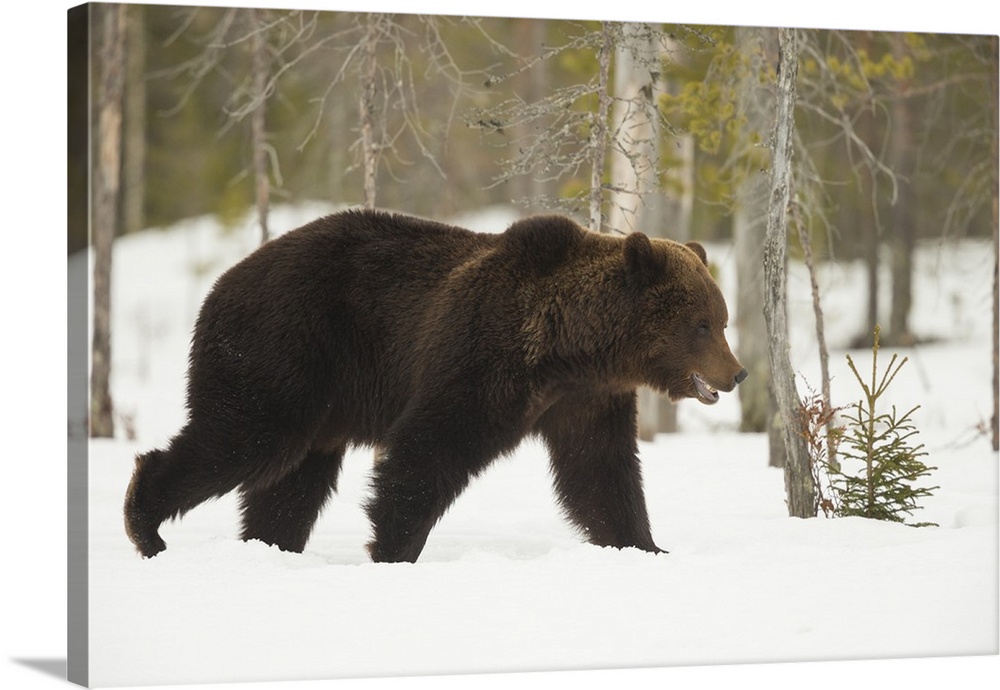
[(699, 250), (643, 263)]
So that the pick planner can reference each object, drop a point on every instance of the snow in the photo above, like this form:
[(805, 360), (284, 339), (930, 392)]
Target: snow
[(504, 584)]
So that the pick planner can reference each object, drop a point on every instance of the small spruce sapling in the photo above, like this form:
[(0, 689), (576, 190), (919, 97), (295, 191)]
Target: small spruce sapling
[(881, 442)]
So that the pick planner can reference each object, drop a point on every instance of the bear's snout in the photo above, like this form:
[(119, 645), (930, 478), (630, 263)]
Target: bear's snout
[(741, 376)]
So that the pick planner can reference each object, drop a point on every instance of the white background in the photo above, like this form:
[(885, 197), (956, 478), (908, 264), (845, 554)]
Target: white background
[(32, 397)]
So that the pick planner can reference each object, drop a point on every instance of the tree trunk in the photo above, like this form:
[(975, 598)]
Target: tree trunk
[(867, 219), (531, 85), (341, 120), (107, 178), (133, 177), (903, 215), (632, 144), (369, 148), (676, 203), (599, 132), (675, 213), (680, 176), (799, 486), (868, 226), (634, 158), (749, 228), (262, 181)]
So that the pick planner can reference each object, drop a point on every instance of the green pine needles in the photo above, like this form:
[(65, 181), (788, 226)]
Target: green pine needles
[(880, 446)]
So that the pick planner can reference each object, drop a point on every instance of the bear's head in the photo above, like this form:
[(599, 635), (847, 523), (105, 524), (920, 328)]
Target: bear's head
[(680, 341)]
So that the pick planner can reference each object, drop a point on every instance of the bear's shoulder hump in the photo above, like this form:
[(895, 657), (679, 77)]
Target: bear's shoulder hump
[(543, 241)]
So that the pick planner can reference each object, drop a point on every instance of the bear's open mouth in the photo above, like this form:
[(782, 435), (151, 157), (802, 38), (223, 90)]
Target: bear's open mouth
[(706, 393)]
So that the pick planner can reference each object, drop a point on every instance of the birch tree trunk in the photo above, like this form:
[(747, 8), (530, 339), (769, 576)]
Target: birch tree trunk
[(633, 153), (599, 132), (369, 148), (634, 158), (799, 486), (107, 179)]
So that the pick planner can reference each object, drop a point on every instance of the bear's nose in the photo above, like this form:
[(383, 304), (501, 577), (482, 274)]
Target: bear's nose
[(741, 376)]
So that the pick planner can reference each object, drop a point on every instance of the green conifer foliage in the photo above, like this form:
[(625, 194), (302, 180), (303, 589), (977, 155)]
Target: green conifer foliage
[(883, 444)]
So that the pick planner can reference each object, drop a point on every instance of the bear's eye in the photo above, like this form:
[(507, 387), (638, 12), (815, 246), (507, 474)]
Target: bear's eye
[(703, 328)]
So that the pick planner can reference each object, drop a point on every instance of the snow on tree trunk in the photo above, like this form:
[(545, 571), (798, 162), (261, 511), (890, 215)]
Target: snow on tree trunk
[(799, 486), (105, 216)]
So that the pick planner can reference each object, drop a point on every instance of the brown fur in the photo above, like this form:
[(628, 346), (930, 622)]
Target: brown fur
[(445, 348)]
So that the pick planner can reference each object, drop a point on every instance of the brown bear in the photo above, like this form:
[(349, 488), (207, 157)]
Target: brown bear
[(444, 348)]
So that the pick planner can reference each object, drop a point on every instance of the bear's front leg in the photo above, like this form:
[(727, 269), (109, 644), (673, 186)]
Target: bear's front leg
[(591, 437)]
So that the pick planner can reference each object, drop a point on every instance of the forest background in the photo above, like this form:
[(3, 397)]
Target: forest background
[(881, 115), (663, 128)]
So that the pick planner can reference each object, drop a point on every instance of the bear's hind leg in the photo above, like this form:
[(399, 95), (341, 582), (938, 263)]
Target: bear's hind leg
[(419, 478), (167, 483), (196, 466), (284, 513), (408, 501), (142, 518)]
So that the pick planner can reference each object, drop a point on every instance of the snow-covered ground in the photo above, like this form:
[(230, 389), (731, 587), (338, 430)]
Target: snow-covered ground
[(504, 584)]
